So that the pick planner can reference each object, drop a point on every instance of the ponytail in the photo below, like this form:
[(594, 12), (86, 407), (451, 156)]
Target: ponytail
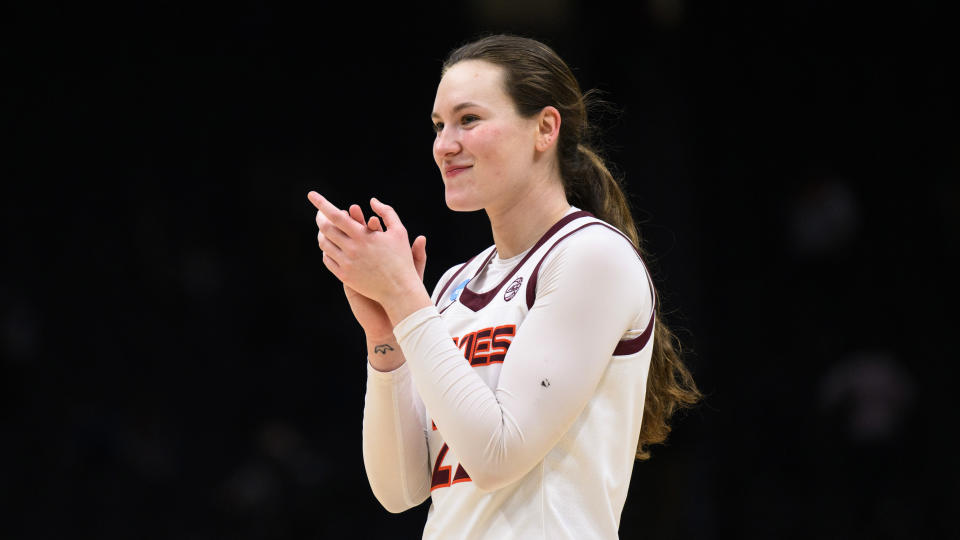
[(592, 187)]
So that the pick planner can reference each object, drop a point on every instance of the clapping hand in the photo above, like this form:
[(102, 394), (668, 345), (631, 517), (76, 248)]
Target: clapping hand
[(378, 268)]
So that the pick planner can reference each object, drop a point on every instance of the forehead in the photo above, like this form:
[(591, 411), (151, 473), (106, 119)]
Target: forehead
[(474, 81)]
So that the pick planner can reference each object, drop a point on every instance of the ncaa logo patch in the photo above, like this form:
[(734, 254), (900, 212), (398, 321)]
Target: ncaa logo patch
[(512, 289), (456, 292)]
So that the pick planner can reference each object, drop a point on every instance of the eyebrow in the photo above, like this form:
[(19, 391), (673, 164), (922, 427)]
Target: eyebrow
[(457, 107)]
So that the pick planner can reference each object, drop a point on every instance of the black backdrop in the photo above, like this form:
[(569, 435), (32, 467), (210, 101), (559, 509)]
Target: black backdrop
[(178, 364)]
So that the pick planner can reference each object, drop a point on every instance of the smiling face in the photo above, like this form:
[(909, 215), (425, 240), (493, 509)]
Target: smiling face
[(484, 149)]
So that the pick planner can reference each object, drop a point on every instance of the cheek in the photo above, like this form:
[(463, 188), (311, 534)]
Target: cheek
[(485, 142)]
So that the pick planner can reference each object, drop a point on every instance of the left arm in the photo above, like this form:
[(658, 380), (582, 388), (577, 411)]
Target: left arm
[(588, 296)]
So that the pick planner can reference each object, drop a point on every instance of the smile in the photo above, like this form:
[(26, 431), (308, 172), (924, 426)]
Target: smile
[(454, 171)]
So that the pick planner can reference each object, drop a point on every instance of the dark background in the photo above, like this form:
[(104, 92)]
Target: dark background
[(177, 363)]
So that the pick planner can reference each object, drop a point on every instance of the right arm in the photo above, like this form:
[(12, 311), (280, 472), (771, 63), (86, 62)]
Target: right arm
[(394, 436), (395, 453)]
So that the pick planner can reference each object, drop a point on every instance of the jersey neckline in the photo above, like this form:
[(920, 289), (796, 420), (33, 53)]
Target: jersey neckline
[(477, 301)]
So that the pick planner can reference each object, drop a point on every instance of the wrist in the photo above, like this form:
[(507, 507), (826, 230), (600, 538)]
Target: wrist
[(413, 298), (384, 355), (374, 340)]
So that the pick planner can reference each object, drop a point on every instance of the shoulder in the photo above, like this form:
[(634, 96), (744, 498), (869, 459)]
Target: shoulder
[(597, 257), (598, 246)]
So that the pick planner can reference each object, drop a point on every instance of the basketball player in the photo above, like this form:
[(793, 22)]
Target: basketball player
[(518, 395)]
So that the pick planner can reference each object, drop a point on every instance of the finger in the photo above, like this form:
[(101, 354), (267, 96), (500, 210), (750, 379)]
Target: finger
[(419, 249), (314, 198), (386, 213), (321, 220), (357, 213), (374, 224), (331, 232), (340, 218), (327, 246), (332, 266)]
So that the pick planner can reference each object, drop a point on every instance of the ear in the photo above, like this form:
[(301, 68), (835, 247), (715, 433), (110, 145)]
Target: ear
[(548, 128)]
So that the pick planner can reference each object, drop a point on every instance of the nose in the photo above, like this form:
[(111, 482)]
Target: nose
[(447, 143)]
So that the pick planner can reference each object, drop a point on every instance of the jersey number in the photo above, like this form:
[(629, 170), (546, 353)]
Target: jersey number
[(441, 474)]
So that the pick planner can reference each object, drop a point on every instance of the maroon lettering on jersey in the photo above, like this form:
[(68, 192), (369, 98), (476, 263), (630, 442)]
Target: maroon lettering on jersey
[(461, 475), (441, 474), (466, 343), (502, 337), (487, 346), (481, 347)]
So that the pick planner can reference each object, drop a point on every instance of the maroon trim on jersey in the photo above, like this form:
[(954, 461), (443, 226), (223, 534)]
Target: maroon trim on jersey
[(477, 301), (445, 287), (625, 347), (633, 346), (462, 268)]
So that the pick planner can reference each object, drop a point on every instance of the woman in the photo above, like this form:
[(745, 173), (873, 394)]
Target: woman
[(513, 396)]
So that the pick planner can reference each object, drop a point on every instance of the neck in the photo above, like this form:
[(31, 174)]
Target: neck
[(519, 224)]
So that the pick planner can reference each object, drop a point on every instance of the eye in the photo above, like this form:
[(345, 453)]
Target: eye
[(438, 127), (468, 118)]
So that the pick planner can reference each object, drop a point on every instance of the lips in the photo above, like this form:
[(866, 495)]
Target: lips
[(454, 170)]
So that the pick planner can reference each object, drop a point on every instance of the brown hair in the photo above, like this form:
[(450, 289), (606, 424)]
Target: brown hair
[(536, 77)]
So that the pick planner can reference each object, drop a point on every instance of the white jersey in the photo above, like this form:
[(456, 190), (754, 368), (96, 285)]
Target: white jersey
[(525, 440)]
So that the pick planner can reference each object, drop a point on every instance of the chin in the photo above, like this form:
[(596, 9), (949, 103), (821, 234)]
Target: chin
[(462, 204)]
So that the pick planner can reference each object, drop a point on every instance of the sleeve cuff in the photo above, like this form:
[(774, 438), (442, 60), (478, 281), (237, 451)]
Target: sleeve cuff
[(387, 376), (414, 320)]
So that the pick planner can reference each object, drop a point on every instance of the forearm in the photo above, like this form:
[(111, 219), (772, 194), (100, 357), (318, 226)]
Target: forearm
[(464, 409), (394, 441)]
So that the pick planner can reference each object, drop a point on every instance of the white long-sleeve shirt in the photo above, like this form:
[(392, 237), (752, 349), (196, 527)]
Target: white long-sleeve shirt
[(518, 409)]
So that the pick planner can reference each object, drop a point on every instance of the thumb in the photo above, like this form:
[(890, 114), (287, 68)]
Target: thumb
[(419, 249), (386, 213)]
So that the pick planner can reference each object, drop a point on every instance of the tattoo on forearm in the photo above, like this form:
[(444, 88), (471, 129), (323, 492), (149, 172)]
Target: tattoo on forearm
[(382, 349)]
